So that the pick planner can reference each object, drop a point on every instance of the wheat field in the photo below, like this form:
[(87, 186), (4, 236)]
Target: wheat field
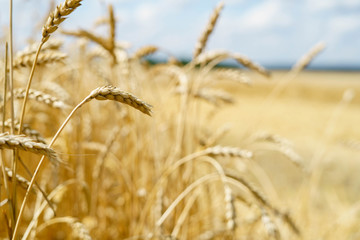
[(106, 145)]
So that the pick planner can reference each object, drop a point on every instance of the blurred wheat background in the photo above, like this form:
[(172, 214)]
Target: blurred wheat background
[(237, 120)]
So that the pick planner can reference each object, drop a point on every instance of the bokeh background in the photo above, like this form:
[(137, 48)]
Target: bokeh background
[(274, 33)]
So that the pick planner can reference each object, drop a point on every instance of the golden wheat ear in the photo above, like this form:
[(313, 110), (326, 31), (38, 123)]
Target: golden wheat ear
[(113, 93), (58, 16)]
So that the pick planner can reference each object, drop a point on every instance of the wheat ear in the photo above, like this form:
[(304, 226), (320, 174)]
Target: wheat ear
[(200, 45), (53, 44), (45, 57), (41, 97), (305, 60), (145, 51), (113, 93), (27, 130), (27, 144), (58, 16)]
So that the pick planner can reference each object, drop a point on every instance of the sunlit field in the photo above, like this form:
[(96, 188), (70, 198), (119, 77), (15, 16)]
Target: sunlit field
[(106, 144)]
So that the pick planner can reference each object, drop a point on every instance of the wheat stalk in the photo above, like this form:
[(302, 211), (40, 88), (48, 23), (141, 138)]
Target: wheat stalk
[(113, 93), (201, 43)]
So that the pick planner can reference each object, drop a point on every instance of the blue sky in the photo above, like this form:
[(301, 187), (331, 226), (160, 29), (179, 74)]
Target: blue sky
[(271, 32)]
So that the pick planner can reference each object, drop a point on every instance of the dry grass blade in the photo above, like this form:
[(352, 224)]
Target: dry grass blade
[(41, 97), (46, 57), (200, 45), (144, 51), (27, 144), (58, 16), (27, 130), (115, 94)]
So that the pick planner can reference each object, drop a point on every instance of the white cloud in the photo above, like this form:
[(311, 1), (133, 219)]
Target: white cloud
[(265, 15), (326, 5), (340, 26)]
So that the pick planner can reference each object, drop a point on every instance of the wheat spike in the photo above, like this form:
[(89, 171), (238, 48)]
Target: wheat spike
[(53, 44), (80, 231), (113, 93), (269, 225), (45, 57), (27, 130), (213, 96), (232, 74), (41, 97), (246, 62), (27, 144), (209, 56), (200, 45), (144, 51), (20, 180), (228, 152), (58, 16), (308, 57), (230, 213)]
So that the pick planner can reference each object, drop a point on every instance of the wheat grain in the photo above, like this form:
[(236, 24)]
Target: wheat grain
[(113, 93), (27, 144), (58, 16)]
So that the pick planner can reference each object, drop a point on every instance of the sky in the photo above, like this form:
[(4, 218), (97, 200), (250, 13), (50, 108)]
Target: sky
[(270, 32)]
